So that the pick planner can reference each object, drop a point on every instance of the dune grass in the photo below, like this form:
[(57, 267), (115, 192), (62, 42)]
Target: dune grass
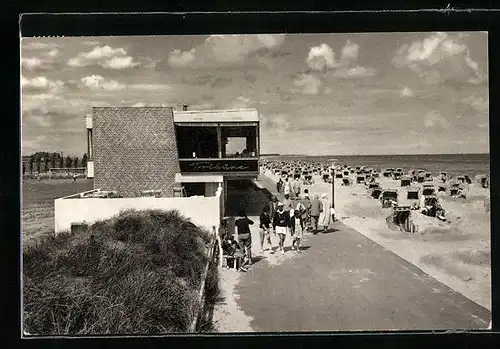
[(137, 273)]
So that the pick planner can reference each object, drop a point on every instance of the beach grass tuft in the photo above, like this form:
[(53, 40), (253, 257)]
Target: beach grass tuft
[(137, 273)]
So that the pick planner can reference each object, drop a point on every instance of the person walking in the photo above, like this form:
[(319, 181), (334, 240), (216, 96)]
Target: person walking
[(286, 187), (273, 206), (332, 213), (242, 224), (306, 204), (315, 211), (296, 189), (325, 216), (265, 229), (287, 204), (281, 222), (279, 185), (296, 229)]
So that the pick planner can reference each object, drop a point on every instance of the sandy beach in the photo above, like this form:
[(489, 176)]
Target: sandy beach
[(456, 253)]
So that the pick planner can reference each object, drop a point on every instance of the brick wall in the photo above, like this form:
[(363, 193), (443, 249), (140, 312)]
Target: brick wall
[(134, 150)]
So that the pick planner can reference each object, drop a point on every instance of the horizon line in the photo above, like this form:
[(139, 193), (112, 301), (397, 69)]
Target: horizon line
[(332, 155)]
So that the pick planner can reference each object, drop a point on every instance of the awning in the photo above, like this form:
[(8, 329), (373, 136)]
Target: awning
[(201, 178)]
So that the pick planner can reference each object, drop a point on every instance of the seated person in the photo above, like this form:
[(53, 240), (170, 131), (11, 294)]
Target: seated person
[(232, 248)]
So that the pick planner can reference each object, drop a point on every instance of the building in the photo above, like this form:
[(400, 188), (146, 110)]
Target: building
[(139, 152)]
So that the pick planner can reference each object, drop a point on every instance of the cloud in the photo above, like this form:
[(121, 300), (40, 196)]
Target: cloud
[(349, 54), (213, 80), (105, 56), (406, 92), (354, 73), (482, 125), (53, 53), (31, 63), (40, 83), (241, 103), (435, 119), (321, 58), (224, 49), (149, 87), (97, 82), (119, 63), (36, 45), (275, 124), (477, 102), (439, 58), (91, 42), (308, 84), (179, 59)]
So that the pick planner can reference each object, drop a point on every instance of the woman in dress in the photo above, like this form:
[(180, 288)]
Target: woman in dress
[(325, 217)]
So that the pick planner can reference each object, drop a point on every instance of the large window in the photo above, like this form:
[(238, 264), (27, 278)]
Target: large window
[(197, 142), (239, 141)]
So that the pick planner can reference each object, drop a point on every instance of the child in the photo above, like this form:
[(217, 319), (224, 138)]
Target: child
[(296, 230), (332, 212)]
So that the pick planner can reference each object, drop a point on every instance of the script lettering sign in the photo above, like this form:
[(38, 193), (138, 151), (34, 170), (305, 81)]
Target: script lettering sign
[(219, 166)]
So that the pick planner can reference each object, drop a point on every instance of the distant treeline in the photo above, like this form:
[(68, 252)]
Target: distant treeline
[(42, 161), (271, 154)]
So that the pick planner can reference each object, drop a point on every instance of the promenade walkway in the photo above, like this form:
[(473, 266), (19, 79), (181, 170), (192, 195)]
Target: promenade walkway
[(343, 282)]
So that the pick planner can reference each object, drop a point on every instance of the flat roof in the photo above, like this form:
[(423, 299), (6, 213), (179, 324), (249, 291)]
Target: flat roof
[(227, 115)]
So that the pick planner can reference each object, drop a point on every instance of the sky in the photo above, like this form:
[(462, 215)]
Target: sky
[(328, 94)]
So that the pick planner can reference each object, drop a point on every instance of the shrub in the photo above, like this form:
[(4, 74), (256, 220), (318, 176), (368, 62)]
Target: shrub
[(139, 272)]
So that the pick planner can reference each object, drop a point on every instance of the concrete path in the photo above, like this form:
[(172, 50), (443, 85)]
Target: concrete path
[(342, 281)]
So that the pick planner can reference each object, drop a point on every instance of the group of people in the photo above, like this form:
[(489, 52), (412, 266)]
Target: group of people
[(296, 217), (240, 250), (290, 187), (290, 217)]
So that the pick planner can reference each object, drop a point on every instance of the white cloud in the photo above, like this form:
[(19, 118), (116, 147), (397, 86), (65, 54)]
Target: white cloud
[(438, 58), (483, 125), (139, 104), (435, 119), (119, 63), (406, 92), (355, 72), (31, 63), (271, 40), (179, 59), (40, 83), (106, 56), (321, 58), (97, 82), (308, 84), (226, 49), (349, 54), (53, 53)]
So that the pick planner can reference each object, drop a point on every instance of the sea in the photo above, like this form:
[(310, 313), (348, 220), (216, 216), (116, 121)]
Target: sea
[(453, 164)]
